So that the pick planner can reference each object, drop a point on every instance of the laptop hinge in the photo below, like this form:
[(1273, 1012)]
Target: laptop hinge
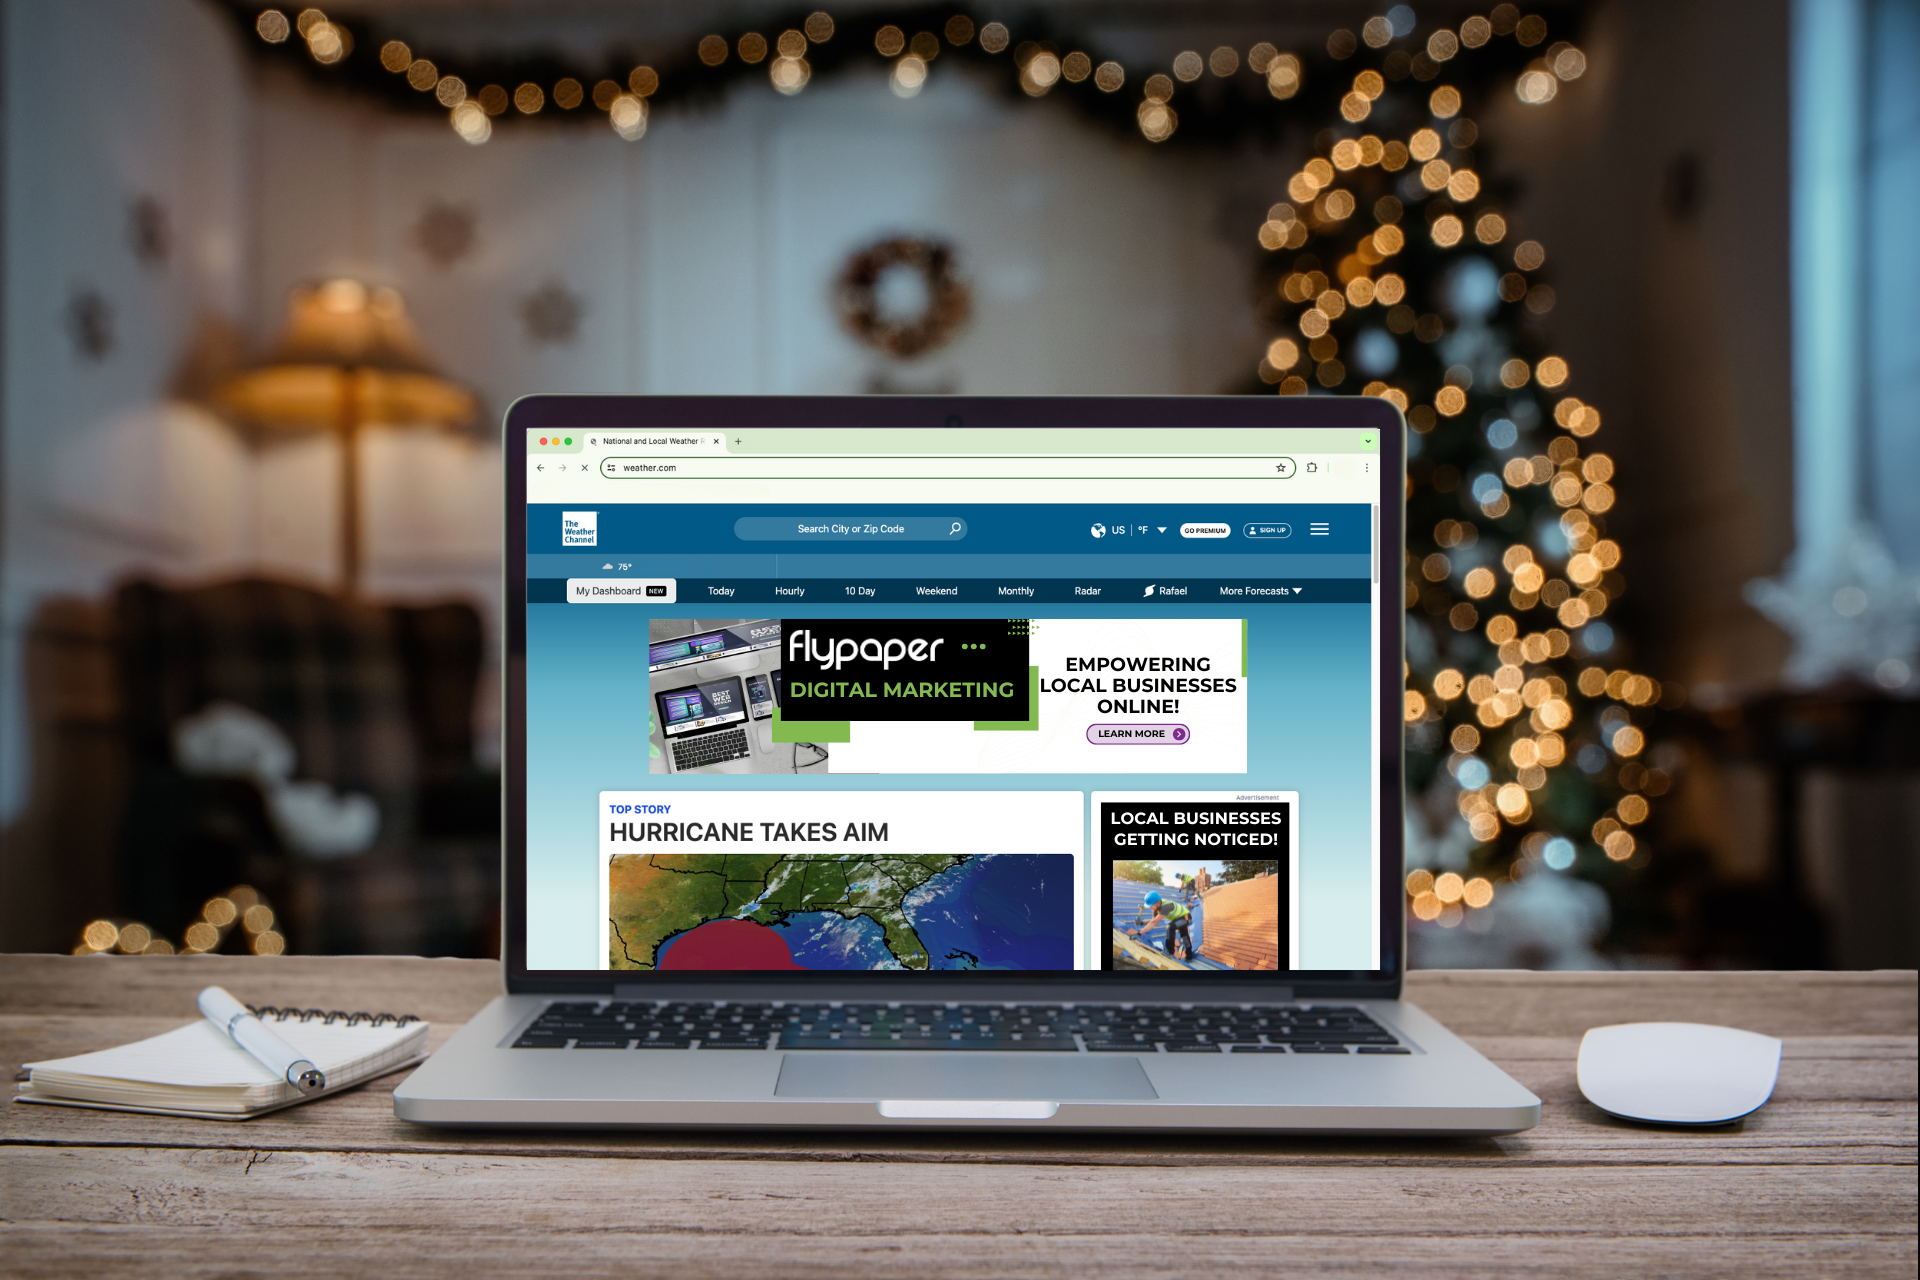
[(1092, 995)]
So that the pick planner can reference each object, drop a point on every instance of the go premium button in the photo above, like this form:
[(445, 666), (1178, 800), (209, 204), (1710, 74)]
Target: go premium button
[(1206, 530), (1139, 735)]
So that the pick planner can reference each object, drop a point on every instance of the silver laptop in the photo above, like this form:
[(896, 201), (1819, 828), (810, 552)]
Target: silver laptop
[(1084, 809)]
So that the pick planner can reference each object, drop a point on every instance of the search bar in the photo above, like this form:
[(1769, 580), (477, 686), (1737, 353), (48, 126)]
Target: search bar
[(880, 467), (849, 529)]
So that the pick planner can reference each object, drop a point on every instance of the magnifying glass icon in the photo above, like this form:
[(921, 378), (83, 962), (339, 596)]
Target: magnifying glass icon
[(956, 529)]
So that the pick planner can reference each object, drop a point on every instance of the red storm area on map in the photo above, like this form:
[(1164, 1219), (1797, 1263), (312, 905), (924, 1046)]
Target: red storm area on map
[(729, 944)]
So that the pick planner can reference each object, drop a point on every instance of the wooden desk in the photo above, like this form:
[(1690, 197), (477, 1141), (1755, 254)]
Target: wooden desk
[(1820, 1182)]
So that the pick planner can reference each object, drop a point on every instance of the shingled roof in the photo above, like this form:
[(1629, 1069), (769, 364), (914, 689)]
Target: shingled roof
[(1243, 924)]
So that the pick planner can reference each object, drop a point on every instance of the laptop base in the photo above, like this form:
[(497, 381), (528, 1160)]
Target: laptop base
[(1442, 1087)]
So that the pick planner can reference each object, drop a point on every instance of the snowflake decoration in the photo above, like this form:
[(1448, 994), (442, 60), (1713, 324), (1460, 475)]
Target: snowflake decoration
[(1850, 611), (445, 234), (551, 313)]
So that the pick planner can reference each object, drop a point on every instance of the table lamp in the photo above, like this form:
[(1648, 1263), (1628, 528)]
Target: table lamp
[(348, 358)]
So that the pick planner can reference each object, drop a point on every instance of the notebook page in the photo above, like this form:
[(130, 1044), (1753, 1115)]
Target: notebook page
[(200, 1056), (193, 1056)]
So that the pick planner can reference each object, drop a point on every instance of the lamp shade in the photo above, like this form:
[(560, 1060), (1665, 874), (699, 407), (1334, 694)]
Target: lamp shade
[(345, 349)]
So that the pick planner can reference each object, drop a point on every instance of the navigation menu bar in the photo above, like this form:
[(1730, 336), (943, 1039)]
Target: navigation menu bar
[(1009, 592)]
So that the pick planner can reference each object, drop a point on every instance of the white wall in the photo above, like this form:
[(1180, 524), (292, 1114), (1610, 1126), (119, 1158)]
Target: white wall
[(109, 102), (704, 254), (702, 257)]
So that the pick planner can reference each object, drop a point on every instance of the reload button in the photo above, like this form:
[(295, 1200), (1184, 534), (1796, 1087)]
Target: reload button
[(1199, 530)]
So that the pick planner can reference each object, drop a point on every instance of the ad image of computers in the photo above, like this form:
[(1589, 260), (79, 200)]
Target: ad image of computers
[(713, 691)]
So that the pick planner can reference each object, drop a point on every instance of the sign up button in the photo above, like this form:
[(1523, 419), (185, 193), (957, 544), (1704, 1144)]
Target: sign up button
[(1269, 531), (1206, 530)]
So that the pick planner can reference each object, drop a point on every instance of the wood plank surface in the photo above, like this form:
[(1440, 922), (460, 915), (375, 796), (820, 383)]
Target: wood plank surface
[(1819, 1182)]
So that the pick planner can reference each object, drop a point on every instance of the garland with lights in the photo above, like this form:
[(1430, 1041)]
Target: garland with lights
[(1387, 270), (1222, 98)]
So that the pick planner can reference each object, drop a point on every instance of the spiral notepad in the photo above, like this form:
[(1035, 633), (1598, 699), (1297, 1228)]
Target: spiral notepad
[(198, 1071)]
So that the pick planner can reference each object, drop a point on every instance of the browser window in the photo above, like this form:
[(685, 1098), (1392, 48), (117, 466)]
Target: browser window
[(1033, 701)]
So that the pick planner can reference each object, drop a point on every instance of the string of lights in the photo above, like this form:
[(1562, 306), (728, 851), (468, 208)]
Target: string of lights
[(240, 908), (1223, 96)]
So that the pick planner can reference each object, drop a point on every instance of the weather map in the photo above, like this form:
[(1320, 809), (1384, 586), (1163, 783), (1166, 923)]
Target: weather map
[(933, 911)]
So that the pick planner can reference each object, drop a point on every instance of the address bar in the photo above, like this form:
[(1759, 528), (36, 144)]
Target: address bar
[(628, 467)]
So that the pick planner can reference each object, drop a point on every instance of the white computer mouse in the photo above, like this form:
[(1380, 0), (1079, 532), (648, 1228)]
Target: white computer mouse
[(1678, 1072)]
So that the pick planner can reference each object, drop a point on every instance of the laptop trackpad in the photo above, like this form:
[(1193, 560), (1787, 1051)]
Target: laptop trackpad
[(1065, 1077)]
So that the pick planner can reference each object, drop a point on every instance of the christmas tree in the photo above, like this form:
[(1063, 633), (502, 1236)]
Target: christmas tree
[(1394, 271)]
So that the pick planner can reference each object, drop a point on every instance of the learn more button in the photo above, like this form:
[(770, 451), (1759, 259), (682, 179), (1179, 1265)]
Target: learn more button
[(1201, 530), (1138, 735)]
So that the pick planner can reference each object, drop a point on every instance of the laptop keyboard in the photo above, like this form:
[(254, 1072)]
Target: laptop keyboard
[(1131, 1028), (710, 748)]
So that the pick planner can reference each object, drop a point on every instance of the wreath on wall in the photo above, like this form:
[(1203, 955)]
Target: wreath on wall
[(922, 274)]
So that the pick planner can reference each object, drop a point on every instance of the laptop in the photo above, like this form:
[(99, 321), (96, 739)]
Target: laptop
[(704, 724), (1086, 810)]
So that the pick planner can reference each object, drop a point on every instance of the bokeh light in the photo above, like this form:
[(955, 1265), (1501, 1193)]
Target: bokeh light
[(1283, 76), (628, 116), (1157, 122), (1041, 73), (470, 121), (909, 75)]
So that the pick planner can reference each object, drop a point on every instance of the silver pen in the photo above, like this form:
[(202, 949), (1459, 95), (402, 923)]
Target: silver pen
[(251, 1034)]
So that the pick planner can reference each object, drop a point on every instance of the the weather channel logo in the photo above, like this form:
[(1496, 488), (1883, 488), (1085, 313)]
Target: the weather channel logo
[(579, 528)]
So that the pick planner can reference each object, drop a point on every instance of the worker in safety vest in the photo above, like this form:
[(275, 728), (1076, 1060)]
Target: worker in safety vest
[(1179, 922)]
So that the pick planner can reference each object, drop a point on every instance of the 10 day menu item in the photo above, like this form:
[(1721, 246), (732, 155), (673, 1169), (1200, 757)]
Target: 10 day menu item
[(197, 1071)]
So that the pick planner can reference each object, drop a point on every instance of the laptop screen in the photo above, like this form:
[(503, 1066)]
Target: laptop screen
[(700, 706), (1053, 701)]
